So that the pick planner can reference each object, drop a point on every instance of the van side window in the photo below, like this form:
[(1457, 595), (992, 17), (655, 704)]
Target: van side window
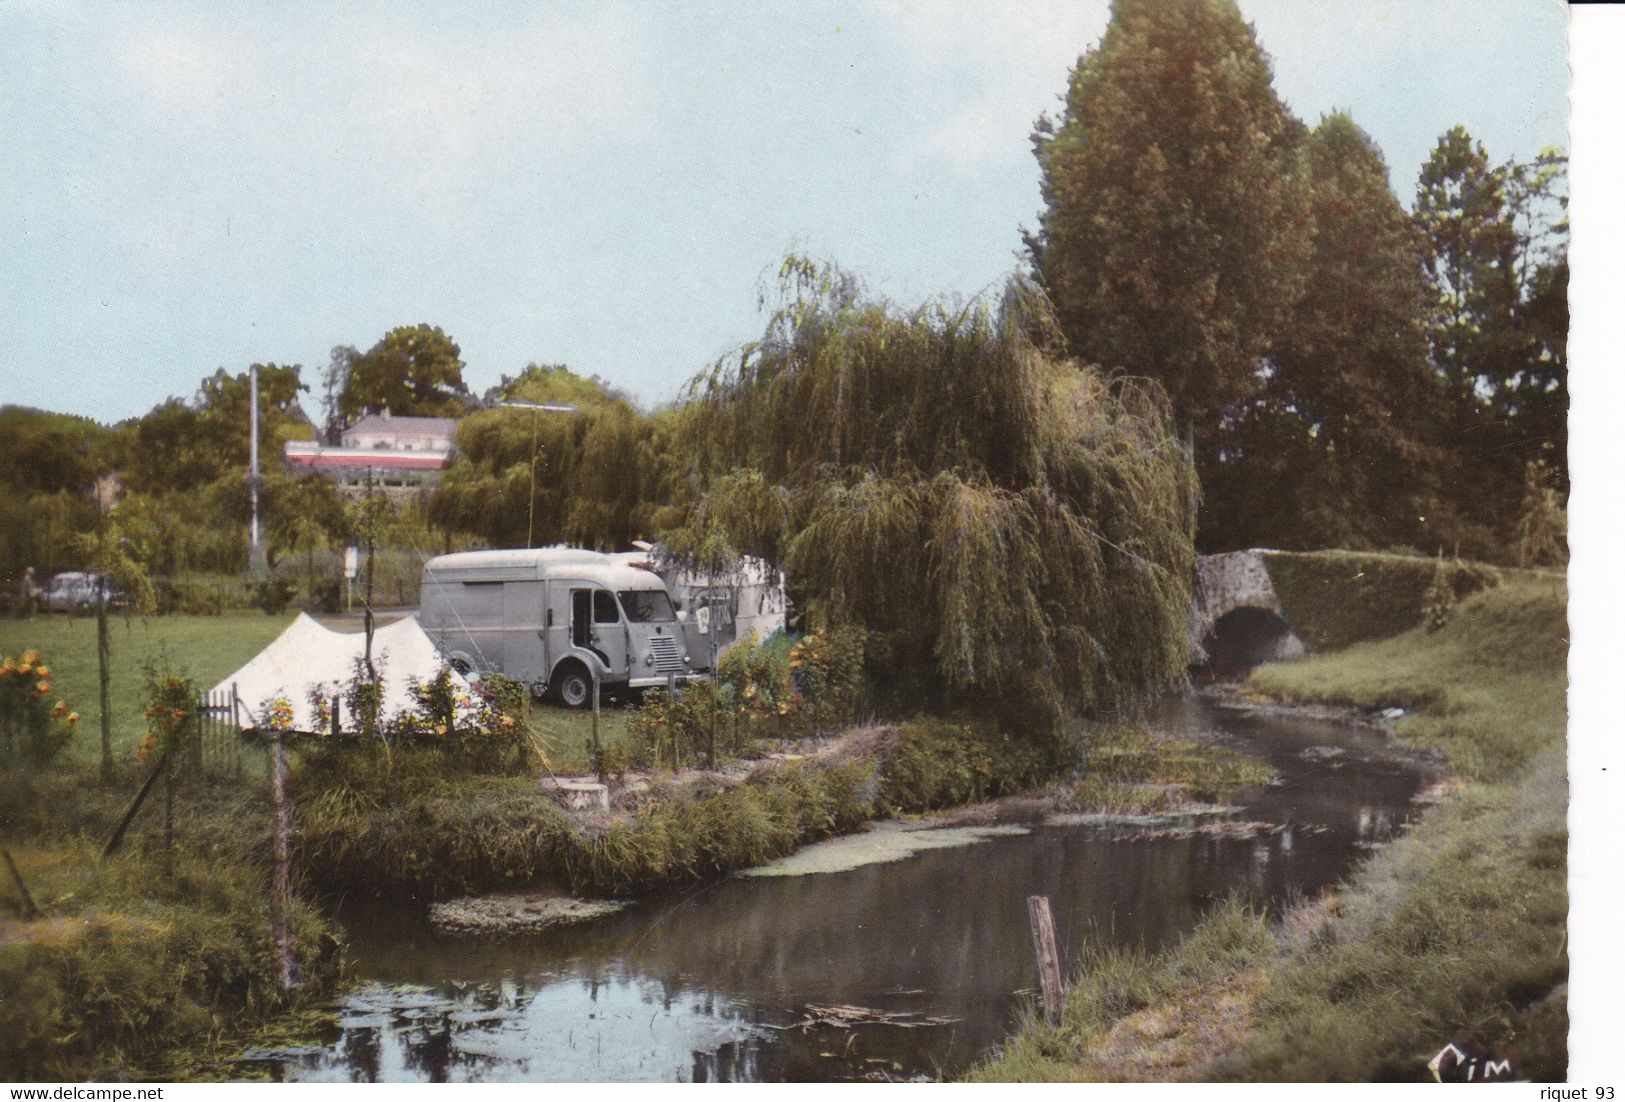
[(581, 617), (604, 609)]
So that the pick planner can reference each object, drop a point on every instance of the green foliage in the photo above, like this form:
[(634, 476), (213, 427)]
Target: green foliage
[(671, 729), (414, 371), (429, 832), (1113, 983), (1543, 523), (127, 963), (273, 595), (1339, 449), (1335, 598), (107, 551), (1440, 599), (1172, 231), (34, 730), (937, 764), (208, 648), (1020, 543), (826, 668), (543, 383), (1455, 927), (132, 963), (600, 477), (173, 724), (1497, 272)]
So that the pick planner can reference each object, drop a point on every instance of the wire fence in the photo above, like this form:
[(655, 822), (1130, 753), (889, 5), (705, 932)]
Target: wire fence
[(220, 749)]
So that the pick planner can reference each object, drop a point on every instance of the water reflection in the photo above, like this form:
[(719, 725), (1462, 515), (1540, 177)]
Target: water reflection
[(716, 985)]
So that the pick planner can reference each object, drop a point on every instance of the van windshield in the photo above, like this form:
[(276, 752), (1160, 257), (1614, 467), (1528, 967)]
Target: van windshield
[(646, 605)]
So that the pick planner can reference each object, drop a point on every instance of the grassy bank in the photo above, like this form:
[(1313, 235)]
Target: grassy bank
[(1337, 598), (132, 957), (1454, 931), (403, 825)]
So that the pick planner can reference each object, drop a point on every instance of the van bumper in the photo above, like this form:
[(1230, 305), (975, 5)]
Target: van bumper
[(658, 681)]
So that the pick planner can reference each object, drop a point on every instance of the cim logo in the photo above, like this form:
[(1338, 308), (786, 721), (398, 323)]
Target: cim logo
[(1465, 1062)]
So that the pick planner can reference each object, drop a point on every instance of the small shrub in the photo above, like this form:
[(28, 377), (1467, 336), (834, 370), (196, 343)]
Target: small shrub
[(827, 668), (1543, 521), (274, 595), (327, 595), (33, 730)]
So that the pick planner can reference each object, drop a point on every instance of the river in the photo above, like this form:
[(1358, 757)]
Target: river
[(756, 978)]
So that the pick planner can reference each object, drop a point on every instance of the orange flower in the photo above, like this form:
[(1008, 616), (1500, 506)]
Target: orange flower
[(73, 717), (26, 668), (60, 710), (43, 687), (440, 729), (31, 657), (43, 671)]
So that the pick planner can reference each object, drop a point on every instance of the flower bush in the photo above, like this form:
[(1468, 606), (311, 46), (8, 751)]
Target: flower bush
[(33, 728), (172, 719)]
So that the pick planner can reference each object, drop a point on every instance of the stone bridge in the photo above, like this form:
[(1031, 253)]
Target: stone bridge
[(1236, 618)]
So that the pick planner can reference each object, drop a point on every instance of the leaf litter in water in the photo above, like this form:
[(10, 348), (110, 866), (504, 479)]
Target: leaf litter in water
[(845, 1017)]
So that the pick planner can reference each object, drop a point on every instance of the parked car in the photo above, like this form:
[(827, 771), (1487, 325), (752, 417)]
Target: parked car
[(75, 591)]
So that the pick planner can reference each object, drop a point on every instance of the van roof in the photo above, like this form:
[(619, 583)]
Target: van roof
[(545, 562)]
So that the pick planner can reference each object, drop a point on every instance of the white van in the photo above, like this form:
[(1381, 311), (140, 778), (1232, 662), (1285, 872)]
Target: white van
[(558, 618)]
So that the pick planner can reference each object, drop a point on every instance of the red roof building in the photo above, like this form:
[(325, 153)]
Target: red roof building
[(397, 455)]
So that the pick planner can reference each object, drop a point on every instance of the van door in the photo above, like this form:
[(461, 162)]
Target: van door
[(524, 647), (595, 624)]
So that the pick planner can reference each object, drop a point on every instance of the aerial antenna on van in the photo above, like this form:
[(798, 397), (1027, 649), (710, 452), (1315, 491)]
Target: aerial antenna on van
[(536, 407), (371, 524), (256, 553)]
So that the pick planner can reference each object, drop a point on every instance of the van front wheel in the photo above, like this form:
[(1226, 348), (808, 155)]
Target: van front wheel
[(573, 688)]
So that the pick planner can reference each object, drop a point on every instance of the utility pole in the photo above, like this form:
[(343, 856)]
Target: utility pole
[(256, 553)]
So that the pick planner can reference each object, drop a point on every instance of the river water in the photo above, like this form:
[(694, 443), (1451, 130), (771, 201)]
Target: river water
[(746, 979)]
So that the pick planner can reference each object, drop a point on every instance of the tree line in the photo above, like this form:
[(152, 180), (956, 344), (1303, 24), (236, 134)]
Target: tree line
[(1349, 373)]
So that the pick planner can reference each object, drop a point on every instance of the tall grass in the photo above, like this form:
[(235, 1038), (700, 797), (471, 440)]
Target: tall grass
[(1111, 984), (429, 835), (138, 954)]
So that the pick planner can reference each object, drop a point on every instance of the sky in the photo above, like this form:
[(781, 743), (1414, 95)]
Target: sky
[(610, 186)]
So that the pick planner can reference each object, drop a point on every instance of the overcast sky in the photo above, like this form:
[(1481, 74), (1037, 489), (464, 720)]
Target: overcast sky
[(188, 186)]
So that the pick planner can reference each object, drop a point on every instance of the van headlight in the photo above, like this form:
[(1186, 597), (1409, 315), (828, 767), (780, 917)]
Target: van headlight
[(649, 659), (685, 660)]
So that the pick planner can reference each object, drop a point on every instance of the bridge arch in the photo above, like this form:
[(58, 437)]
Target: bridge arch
[(1237, 621)]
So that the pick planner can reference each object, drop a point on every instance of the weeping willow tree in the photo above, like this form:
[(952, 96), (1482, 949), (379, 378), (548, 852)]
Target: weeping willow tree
[(1013, 530), (597, 478)]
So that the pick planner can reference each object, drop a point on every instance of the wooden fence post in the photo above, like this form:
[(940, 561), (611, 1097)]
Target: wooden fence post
[(597, 742), (30, 911), (1049, 960), (281, 834)]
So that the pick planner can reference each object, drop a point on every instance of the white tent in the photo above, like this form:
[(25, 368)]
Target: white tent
[(308, 659)]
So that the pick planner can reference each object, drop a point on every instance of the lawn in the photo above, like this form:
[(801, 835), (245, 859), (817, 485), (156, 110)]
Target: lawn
[(204, 648), (207, 649)]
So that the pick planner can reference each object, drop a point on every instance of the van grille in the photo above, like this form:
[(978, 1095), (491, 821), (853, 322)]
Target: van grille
[(668, 659)]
